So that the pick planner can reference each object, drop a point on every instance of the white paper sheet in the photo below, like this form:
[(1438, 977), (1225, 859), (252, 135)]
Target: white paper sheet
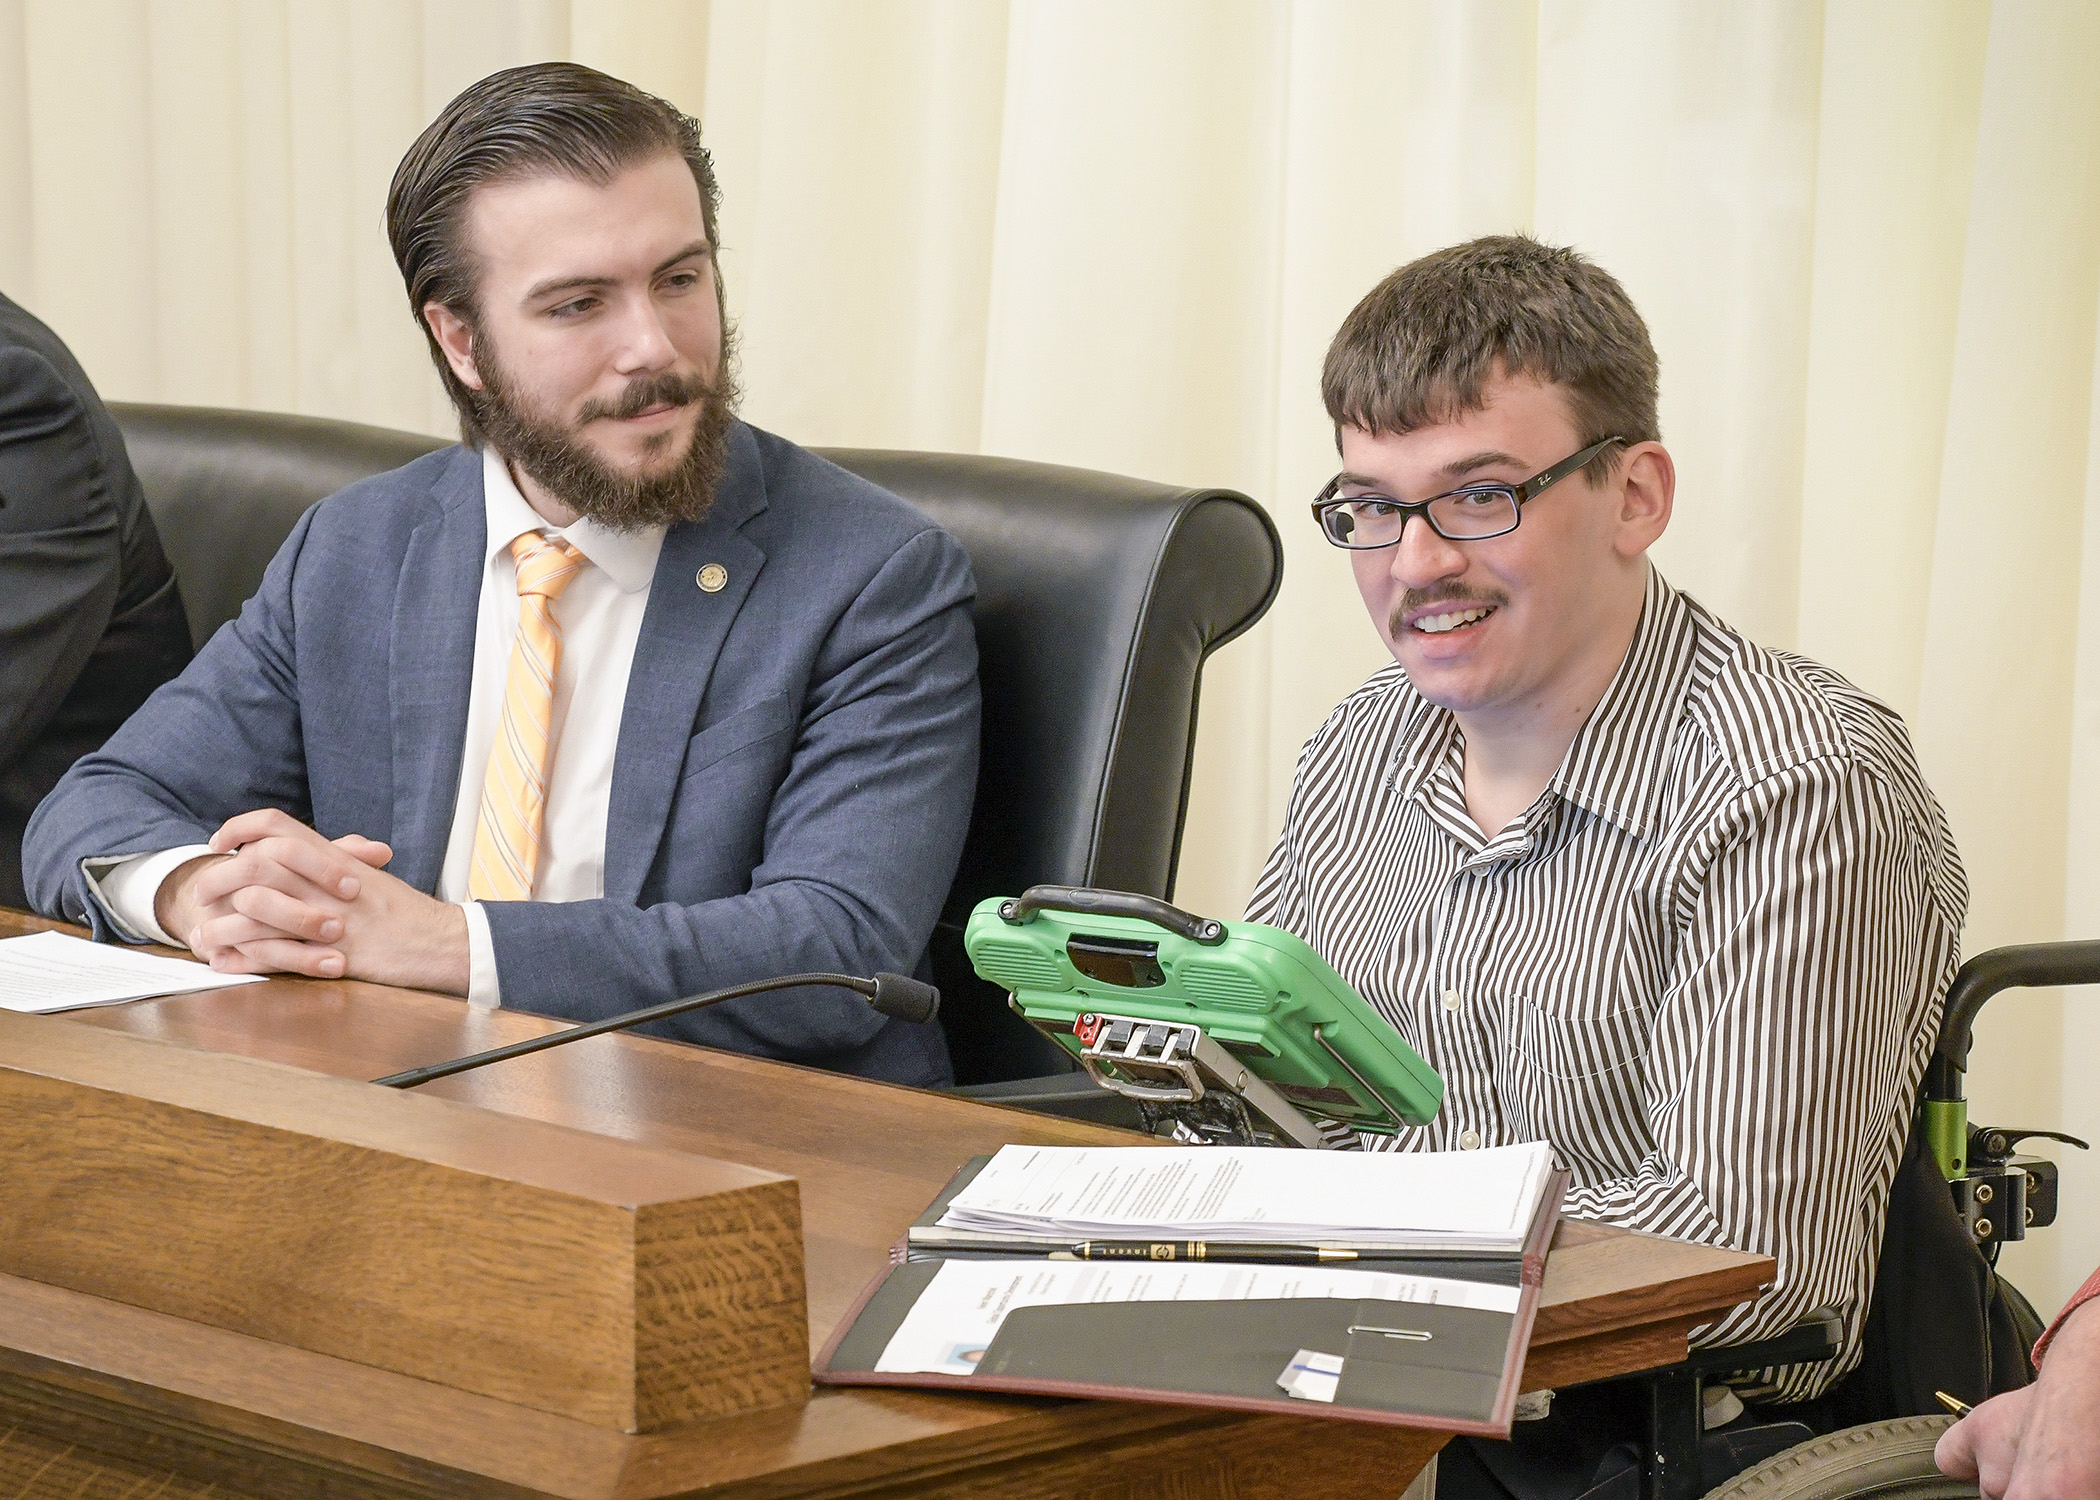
[(48, 971), (956, 1317), (1469, 1199)]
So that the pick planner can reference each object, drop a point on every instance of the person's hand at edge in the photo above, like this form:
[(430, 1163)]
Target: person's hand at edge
[(2041, 1442)]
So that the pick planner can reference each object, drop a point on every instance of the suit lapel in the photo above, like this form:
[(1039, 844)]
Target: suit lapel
[(674, 659), (436, 605)]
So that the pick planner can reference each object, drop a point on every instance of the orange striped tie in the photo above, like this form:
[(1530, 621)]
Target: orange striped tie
[(514, 795)]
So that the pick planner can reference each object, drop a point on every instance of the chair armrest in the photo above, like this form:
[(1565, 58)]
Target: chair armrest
[(1817, 1337)]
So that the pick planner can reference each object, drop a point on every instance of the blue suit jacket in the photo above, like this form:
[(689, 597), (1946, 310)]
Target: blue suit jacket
[(796, 759)]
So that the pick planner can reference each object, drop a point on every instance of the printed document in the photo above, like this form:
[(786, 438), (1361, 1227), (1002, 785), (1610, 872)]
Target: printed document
[(957, 1316), (49, 971), (1482, 1201)]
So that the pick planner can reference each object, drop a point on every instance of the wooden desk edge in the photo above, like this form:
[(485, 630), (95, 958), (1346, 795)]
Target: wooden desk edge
[(83, 1368), (1724, 1279), (294, 1423), (91, 1367)]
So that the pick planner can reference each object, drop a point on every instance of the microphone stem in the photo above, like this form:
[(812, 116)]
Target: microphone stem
[(415, 1076)]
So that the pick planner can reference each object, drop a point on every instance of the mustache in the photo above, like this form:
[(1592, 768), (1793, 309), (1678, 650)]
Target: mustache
[(663, 389), (1448, 591)]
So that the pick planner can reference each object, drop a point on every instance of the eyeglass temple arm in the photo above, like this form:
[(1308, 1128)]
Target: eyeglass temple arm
[(1539, 483)]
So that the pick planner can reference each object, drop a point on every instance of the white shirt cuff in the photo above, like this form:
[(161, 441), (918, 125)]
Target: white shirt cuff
[(126, 886), (482, 987)]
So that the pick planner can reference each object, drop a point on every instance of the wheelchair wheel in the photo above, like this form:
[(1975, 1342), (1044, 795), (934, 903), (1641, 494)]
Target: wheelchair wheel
[(1881, 1459)]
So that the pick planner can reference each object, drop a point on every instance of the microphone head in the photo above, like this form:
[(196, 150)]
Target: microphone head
[(905, 998)]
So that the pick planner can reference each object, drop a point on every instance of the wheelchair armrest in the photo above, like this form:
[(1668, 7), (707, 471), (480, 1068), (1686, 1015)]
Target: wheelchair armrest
[(1815, 1338)]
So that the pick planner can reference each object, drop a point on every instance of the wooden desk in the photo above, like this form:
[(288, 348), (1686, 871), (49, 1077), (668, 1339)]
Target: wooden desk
[(101, 1399)]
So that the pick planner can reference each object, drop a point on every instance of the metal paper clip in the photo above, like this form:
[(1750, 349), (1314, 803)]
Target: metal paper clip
[(1413, 1335)]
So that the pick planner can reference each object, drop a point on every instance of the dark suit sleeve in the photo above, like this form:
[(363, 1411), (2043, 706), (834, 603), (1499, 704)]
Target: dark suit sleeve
[(223, 738), (862, 841), (61, 545)]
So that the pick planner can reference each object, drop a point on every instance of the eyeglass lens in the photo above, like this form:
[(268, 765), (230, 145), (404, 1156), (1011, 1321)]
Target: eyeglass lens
[(1375, 521)]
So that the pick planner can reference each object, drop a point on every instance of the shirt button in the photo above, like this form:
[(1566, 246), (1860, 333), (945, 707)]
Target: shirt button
[(1451, 1000), (1470, 1141)]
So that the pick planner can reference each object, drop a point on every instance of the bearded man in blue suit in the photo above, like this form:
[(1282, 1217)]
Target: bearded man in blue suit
[(620, 700)]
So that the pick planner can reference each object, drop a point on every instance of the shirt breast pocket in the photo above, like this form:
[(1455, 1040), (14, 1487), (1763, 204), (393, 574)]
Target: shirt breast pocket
[(766, 720), (1582, 1033)]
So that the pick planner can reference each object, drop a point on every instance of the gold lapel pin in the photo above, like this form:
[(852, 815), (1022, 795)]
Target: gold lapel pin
[(712, 579)]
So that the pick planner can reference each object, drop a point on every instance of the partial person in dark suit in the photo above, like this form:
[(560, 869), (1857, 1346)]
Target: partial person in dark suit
[(90, 623), (619, 701)]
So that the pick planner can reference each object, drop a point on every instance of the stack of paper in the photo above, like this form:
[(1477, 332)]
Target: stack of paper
[(1406, 1283), (49, 971), (1453, 1203)]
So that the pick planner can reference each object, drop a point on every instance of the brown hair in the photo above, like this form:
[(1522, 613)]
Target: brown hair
[(1421, 348), (556, 118)]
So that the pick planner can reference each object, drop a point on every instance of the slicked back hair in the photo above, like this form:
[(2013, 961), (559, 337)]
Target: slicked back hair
[(552, 119), (1421, 348)]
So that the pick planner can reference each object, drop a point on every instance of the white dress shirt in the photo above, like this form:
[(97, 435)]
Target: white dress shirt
[(600, 614)]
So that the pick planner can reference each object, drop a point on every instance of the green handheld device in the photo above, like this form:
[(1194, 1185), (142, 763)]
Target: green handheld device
[(1230, 1032)]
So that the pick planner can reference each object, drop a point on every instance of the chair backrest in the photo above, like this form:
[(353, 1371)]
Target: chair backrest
[(1099, 598), (226, 488)]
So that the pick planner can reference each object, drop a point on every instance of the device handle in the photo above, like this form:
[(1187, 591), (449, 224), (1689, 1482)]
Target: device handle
[(1088, 902)]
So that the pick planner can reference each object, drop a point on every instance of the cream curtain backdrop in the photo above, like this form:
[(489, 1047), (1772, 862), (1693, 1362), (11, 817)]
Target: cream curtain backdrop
[(1118, 233)]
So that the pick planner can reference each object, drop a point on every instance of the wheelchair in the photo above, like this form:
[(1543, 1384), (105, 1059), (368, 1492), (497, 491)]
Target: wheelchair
[(1962, 1192)]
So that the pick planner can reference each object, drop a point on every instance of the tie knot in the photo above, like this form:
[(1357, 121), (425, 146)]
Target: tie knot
[(546, 564)]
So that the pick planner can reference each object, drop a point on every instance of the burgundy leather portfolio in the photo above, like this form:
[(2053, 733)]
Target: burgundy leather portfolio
[(1406, 1363)]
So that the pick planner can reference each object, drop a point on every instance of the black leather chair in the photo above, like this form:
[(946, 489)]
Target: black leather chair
[(1099, 598), (226, 488)]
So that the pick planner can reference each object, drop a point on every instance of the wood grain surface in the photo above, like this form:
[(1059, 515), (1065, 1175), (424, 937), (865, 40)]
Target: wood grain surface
[(620, 1284), (217, 1406)]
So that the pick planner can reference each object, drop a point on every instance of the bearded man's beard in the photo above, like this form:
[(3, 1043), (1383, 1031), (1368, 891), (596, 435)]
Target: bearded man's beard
[(555, 454)]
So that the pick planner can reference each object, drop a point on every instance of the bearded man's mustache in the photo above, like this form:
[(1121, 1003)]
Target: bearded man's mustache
[(645, 391)]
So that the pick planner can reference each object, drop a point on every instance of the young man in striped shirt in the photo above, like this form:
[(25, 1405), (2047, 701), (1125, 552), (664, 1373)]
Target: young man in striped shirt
[(1679, 904)]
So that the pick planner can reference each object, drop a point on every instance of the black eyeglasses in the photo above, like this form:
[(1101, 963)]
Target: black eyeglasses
[(1468, 514)]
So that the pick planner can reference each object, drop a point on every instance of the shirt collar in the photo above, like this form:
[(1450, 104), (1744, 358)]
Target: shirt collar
[(1615, 766), (1430, 746), (628, 557)]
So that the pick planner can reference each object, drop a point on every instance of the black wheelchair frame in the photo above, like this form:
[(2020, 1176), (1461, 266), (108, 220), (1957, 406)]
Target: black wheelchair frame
[(1999, 1193)]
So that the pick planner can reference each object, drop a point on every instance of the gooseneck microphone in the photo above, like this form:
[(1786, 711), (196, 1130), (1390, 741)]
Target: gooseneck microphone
[(895, 995)]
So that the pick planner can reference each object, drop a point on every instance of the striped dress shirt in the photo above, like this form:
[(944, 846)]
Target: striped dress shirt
[(1707, 963)]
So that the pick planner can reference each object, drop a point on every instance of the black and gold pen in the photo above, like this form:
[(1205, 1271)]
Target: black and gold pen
[(1954, 1404), (1260, 1255)]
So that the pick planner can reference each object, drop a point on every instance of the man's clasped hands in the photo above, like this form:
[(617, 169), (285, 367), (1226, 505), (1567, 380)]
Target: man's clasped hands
[(274, 896)]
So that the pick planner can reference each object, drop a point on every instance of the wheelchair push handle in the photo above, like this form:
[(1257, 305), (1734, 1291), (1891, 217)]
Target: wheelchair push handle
[(1943, 1109), (2021, 966), (1092, 903)]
